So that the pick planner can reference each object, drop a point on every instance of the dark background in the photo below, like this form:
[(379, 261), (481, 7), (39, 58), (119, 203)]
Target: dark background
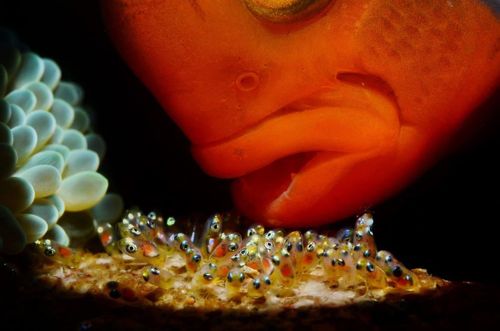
[(447, 221)]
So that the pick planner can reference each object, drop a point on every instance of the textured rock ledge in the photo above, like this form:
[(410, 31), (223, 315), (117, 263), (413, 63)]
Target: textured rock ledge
[(83, 299)]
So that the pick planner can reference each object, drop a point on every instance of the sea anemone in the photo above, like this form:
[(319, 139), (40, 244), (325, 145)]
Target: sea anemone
[(49, 154)]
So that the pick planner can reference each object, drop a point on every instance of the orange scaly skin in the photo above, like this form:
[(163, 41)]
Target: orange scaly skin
[(317, 119)]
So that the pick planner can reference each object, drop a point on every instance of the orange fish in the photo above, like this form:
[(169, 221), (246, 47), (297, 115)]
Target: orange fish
[(318, 108)]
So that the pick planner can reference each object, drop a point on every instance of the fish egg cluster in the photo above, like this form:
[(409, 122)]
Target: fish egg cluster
[(216, 257)]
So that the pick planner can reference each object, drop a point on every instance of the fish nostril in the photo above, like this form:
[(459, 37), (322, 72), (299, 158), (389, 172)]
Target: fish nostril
[(247, 81)]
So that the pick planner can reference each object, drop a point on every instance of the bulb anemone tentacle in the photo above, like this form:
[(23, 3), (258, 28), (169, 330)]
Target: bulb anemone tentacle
[(49, 155)]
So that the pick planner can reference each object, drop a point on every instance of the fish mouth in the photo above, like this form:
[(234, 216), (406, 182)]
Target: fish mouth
[(356, 113), (320, 135)]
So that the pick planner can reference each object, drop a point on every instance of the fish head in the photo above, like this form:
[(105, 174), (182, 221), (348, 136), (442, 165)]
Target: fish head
[(318, 109)]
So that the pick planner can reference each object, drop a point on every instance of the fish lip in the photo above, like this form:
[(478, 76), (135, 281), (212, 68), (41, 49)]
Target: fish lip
[(320, 98), (366, 80)]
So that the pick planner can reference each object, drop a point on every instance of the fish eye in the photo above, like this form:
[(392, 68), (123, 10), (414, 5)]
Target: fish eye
[(49, 251), (270, 235), (131, 248), (184, 245), (215, 226), (233, 247), (285, 11), (154, 271), (135, 231), (196, 258), (256, 283)]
